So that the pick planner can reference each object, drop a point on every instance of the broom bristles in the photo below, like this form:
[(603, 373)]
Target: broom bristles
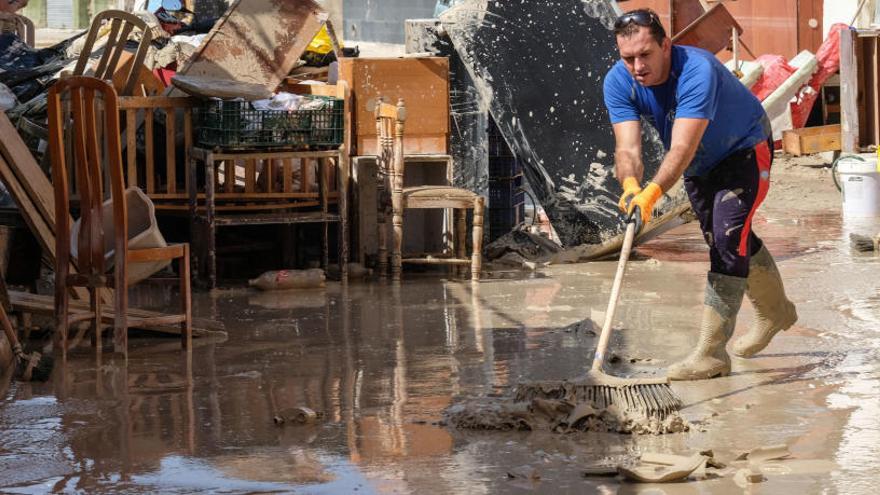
[(655, 399)]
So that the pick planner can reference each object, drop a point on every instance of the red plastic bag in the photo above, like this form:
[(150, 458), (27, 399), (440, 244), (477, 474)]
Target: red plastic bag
[(776, 71), (829, 63)]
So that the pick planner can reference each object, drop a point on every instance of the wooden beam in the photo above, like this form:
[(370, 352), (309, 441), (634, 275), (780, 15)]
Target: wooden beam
[(849, 83)]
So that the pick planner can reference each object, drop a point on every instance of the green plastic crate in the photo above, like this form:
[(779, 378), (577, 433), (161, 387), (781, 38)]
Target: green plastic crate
[(236, 125)]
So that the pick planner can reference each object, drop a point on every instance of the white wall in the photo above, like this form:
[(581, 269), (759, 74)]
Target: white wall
[(843, 10)]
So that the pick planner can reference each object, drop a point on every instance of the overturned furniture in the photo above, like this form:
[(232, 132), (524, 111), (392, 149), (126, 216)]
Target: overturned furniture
[(84, 118), (394, 199)]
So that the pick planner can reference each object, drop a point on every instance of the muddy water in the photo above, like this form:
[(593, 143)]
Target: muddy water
[(382, 363)]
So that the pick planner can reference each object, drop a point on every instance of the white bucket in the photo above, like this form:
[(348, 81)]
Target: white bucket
[(859, 178)]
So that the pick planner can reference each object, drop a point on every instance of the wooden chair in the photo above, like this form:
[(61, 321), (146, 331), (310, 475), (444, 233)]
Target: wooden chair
[(83, 111), (394, 199), (20, 25), (121, 26)]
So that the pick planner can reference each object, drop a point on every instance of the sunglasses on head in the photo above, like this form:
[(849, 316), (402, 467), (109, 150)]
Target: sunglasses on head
[(640, 17)]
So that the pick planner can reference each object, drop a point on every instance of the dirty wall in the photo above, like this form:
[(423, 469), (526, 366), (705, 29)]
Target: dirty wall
[(381, 21)]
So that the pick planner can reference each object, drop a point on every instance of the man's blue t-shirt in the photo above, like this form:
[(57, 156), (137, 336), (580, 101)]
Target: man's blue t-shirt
[(699, 87)]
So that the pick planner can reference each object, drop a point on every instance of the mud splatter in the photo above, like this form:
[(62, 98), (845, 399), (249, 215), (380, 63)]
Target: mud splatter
[(556, 415)]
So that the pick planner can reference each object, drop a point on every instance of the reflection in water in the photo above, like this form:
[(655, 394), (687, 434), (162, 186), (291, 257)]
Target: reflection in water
[(381, 361)]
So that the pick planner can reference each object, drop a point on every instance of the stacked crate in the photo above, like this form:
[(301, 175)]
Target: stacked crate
[(506, 195)]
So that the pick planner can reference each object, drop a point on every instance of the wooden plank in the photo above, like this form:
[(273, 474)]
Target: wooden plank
[(170, 152), (711, 31), (257, 41), (250, 175), (265, 154), (149, 166), (187, 145), (34, 303), (131, 146), (171, 252), (812, 140), (848, 93), (269, 174), (304, 185), (30, 176), (154, 102)]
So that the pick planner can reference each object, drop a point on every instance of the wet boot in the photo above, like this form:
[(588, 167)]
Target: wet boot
[(724, 296), (773, 311)]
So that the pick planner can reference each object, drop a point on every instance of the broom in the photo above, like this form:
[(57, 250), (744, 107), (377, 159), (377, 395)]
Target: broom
[(651, 397), (28, 367)]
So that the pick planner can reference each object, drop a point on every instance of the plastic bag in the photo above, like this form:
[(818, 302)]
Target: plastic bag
[(776, 72)]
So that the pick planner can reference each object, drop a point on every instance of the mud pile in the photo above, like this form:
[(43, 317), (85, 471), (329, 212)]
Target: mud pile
[(557, 415)]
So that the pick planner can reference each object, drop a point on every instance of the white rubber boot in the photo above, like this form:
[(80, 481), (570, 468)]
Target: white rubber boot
[(709, 359), (773, 311)]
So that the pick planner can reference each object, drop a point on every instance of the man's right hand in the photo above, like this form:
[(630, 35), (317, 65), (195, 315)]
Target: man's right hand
[(631, 188)]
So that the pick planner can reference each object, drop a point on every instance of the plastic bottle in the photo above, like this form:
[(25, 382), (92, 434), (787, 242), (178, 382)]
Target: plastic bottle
[(289, 279)]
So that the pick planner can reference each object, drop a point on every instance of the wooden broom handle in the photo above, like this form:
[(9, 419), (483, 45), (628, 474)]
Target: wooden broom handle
[(605, 336)]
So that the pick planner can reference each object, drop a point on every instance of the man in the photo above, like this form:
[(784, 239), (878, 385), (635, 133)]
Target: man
[(717, 135)]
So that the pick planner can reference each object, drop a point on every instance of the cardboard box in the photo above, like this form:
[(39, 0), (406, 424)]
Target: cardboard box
[(423, 83)]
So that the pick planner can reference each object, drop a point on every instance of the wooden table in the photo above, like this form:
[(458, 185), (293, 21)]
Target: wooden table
[(261, 202)]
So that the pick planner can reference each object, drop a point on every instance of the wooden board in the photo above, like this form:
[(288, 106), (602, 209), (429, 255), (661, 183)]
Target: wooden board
[(257, 41), (37, 304), (811, 140), (28, 171), (423, 83), (712, 31)]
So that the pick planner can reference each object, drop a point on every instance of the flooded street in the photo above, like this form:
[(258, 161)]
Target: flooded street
[(380, 363)]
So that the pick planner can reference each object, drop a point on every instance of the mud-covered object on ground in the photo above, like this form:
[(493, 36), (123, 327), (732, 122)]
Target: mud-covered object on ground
[(519, 246), (556, 415), (540, 67)]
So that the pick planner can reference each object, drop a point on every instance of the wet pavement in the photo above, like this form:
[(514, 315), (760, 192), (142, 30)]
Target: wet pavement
[(381, 363)]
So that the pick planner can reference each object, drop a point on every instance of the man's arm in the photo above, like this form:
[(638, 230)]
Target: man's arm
[(628, 151), (686, 137)]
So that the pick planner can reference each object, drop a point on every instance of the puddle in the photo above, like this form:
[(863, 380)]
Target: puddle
[(382, 363)]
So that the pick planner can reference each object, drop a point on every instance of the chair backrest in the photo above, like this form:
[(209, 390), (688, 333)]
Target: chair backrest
[(21, 25), (84, 147), (390, 121), (120, 26)]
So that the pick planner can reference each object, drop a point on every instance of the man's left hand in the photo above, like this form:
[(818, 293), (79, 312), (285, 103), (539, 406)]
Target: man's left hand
[(645, 200)]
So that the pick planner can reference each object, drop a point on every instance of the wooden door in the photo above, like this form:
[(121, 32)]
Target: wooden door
[(810, 31)]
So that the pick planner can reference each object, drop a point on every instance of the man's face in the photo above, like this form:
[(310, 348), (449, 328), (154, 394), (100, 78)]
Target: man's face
[(646, 60)]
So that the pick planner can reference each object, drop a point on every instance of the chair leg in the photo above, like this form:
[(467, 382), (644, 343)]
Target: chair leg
[(62, 308), (96, 307), (477, 256), (185, 301), (186, 308), (120, 322), (397, 253), (460, 239)]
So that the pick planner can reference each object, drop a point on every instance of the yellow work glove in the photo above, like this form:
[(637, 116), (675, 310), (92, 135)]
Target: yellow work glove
[(645, 200), (631, 188)]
